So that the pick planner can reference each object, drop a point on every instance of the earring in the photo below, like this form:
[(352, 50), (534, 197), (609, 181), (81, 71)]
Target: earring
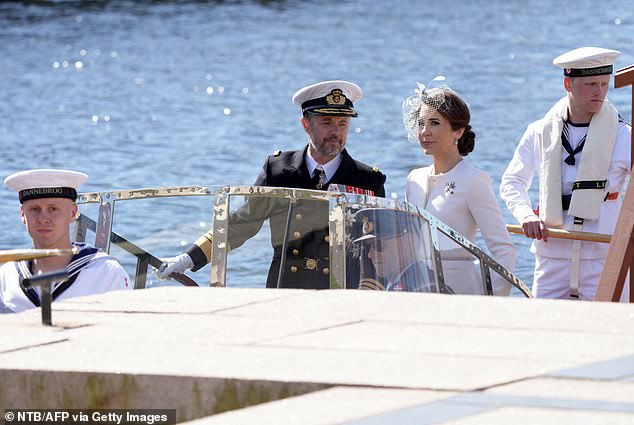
[(455, 142)]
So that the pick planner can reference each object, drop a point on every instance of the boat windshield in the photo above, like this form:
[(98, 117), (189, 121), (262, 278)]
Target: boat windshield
[(393, 250), (290, 238)]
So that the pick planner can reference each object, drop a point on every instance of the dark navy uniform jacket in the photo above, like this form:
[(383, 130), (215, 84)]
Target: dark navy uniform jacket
[(288, 169), (307, 262)]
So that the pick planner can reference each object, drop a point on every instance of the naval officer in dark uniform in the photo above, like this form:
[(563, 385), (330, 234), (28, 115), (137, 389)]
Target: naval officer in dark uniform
[(327, 109)]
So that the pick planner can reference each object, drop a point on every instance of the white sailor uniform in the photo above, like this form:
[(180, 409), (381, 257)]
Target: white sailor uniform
[(463, 198), (91, 272), (553, 258)]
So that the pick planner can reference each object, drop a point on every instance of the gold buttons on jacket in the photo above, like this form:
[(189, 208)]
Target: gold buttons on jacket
[(296, 252), (293, 269), (298, 216), (326, 271), (327, 238), (296, 235)]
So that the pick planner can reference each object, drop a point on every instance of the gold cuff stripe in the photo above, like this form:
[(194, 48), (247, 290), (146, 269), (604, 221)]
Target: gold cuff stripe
[(204, 243), (373, 284)]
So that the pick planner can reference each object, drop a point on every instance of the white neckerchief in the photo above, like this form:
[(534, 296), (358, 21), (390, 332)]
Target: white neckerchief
[(330, 168), (593, 164)]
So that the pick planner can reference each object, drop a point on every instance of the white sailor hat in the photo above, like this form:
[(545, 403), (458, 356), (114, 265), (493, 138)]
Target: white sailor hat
[(587, 61), (46, 183), (335, 97)]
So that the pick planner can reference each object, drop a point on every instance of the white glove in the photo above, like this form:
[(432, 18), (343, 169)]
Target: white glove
[(170, 265)]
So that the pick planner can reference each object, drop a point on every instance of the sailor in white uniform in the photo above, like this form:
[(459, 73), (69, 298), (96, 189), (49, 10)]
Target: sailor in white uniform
[(47, 206), (581, 150)]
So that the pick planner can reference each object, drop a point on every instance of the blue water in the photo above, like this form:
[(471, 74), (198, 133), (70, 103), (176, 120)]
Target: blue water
[(159, 93)]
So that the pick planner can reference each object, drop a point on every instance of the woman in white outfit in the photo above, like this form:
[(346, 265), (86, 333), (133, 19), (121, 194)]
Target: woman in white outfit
[(451, 189)]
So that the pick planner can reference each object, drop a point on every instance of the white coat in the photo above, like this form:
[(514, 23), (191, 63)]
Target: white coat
[(463, 198)]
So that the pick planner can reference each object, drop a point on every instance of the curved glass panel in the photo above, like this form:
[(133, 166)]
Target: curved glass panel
[(393, 250)]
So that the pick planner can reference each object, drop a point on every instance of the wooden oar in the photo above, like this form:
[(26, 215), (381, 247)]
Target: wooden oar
[(30, 254), (565, 234)]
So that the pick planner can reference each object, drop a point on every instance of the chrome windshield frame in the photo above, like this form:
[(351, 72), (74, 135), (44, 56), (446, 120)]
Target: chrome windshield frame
[(222, 205), (486, 262), (337, 228)]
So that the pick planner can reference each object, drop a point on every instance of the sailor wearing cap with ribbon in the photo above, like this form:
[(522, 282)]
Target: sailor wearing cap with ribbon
[(327, 109), (47, 206), (581, 150)]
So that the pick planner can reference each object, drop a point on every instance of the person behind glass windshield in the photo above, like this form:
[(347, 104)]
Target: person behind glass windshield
[(453, 190), (327, 109), (392, 242), (581, 152), (47, 207)]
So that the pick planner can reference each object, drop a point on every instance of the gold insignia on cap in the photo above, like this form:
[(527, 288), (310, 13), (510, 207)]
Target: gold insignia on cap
[(336, 97), (368, 226)]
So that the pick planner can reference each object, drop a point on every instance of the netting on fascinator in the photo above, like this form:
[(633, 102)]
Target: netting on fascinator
[(433, 97)]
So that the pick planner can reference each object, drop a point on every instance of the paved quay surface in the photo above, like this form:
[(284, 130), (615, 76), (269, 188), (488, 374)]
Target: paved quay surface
[(256, 356)]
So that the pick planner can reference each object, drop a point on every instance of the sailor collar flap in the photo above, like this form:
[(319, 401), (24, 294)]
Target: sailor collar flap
[(85, 256)]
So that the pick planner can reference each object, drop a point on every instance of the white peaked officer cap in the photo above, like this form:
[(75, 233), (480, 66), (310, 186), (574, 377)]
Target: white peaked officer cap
[(587, 61), (46, 183), (335, 97)]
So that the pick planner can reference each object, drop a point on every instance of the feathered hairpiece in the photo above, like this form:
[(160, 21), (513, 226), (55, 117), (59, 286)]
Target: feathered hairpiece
[(433, 97)]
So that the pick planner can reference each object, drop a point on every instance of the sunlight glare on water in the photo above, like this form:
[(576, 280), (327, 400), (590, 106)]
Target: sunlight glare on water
[(156, 94)]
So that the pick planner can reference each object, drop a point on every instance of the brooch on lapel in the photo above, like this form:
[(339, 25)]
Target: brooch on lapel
[(449, 187)]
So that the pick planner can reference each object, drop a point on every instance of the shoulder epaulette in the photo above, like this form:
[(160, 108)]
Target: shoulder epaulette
[(277, 153)]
